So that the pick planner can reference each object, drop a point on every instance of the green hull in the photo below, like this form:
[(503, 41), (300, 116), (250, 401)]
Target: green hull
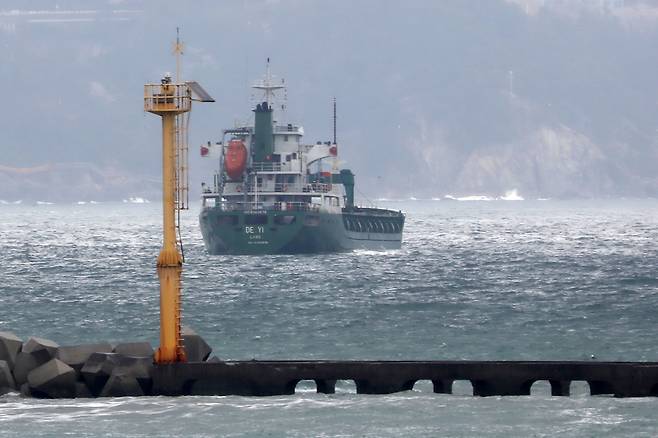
[(298, 232)]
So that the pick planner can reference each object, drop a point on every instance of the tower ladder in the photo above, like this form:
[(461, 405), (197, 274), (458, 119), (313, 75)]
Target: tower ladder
[(182, 191)]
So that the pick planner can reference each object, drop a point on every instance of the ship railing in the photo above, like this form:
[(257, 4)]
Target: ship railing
[(318, 187), (252, 207), (266, 167), (294, 187), (296, 206)]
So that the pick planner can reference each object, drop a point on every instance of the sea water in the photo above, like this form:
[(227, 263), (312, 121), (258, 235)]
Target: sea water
[(531, 280)]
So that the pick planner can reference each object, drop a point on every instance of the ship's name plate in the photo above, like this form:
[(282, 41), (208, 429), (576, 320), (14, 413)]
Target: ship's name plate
[(254, 230)]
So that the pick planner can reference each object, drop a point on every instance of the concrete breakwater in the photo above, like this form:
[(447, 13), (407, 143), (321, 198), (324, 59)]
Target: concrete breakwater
[(41, 368), (488, 378)]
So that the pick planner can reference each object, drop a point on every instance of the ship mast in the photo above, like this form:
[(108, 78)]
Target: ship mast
[(267, 86), (335, 120), (334, 148), (178, 51)]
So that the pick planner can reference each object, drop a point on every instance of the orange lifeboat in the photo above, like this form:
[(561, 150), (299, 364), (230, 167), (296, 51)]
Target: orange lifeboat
[(235, 160)]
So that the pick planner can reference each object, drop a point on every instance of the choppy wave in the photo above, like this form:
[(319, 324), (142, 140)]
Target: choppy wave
[(495, 280)]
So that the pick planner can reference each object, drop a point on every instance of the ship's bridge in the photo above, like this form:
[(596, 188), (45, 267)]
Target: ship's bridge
[(287, 138)]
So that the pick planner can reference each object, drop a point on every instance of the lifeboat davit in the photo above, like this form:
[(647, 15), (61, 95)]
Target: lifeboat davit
[(235, 160)]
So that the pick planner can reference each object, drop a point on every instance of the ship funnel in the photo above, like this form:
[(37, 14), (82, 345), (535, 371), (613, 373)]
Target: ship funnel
[(263, 133), (347, 178)]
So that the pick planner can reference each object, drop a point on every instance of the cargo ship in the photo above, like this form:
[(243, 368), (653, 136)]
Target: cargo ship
[(274, 194)]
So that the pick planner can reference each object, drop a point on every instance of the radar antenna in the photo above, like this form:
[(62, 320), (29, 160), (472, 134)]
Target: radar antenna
[(267, 85)]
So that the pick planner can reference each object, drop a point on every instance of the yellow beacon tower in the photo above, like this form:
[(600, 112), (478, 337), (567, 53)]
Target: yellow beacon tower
[(170, 100)]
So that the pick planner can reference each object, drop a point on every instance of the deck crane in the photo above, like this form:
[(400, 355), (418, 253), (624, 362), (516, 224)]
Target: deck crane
[(172, 101)]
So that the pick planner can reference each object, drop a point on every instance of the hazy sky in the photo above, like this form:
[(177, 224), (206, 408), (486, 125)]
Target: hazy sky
[(448, 95)]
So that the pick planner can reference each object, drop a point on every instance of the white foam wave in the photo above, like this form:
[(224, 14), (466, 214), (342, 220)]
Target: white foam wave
[(81, 202), (512, 195), (44, 203), (472, 198), (136, 200)]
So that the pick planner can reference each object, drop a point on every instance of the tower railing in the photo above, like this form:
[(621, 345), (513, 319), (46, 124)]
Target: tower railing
[(167, 98)]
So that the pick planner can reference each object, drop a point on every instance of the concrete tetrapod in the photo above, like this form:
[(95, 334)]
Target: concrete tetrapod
[(34, 353), (196, 348), (35, 344), (54, 379), (121, 384), (10, 346), (75, 356), (7, 383), (138, 349), (97, 371), (26, 362)]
